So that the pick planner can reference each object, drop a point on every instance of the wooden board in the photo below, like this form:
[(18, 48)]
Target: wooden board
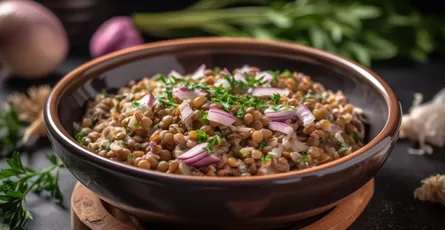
[(89, 213)]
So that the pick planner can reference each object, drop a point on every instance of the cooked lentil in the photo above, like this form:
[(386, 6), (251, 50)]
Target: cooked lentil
[(152, 137)]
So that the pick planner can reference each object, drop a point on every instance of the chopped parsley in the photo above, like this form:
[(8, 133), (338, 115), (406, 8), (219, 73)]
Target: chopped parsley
[(131, 156), (281, 107), (137, 126), (120, 97), (78, 135), (343, 148), (95, 120), (136, 104), (266, 157), (262, 145), (169, 80), (356, 137), (170, 101), (276, 98), (202, 136), (216, 70), (308, 96), (215, 140), (105, 145), (227, 99), (288, 73), (276, 75), (104, 92), (203, 117), (303, 159)]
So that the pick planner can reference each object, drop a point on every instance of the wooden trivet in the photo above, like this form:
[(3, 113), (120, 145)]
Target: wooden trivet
[(88, 212)]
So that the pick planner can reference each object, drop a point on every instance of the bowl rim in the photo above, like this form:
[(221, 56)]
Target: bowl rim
[(390, 129)]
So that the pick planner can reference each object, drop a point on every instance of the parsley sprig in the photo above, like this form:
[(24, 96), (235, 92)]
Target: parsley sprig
[(217, 139), (11, 131), (17, 181), (343, 148)]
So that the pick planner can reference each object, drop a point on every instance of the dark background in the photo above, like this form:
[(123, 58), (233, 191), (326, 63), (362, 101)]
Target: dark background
[(393, 205)]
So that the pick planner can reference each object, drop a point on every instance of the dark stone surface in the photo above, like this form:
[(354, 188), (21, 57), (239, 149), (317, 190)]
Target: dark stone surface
[(393, 205)]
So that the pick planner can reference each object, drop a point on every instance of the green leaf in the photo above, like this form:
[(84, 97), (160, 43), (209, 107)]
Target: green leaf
[(278, 19), (262, 33), (316, 37), (345, 17), (360, 53), (418, 55), (424, 40), (365, 12), (379, 47)]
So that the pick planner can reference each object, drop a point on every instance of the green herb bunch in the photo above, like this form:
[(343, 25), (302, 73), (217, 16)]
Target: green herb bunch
[(17, 181), (11, 131), (363, 30)]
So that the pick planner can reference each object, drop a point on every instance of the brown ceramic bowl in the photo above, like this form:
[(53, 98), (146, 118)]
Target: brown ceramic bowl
[(258, 201)]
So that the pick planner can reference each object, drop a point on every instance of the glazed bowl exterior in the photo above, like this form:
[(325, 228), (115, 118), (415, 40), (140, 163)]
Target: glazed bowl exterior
[(256, 201)]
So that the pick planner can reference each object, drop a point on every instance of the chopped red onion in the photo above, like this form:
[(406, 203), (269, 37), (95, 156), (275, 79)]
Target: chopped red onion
[(199, 72), (265, 75), (148, 100), (261, 92), (227, 72), (132, 123), (222, 82), (198, 149), (221, 116), (291, 142), (245, 69), (184, 93), (305, 114), (335, 128), (175, 74), (196, 158), (280, 115), (209, 160), (240, 77), (281, 127), (186, 113)]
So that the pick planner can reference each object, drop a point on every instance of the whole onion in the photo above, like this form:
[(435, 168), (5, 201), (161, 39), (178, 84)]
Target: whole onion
[(115, 34), (33, 41)]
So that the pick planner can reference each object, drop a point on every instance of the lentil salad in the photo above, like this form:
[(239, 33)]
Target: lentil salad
[(215, 122)]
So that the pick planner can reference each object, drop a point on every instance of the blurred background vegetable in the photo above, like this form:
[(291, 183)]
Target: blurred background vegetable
[(32, 39), (115, 34), (363, 30)]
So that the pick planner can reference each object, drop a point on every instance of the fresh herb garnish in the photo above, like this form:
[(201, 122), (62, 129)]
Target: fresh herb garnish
[(343, 148), (120, 97), (216, 70), (105, 146), (131, 156), (308, 96), (78, 135), (95, 120), (17, 181), (303, 159), (276, 98), (356, 137), (203, 117), (262, 145), (104, 93), (11, 131), (170, 101), (201, 136), (137, 125), (266, 157), (217, 139), (136, 104), (287, 73), (169, 80), (275, 75)]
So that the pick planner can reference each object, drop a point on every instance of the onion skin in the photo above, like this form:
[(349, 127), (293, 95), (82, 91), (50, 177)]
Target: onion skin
[(33, 41)]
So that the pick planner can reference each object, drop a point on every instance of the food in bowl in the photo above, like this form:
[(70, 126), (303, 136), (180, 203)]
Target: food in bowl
[(220, 123)]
